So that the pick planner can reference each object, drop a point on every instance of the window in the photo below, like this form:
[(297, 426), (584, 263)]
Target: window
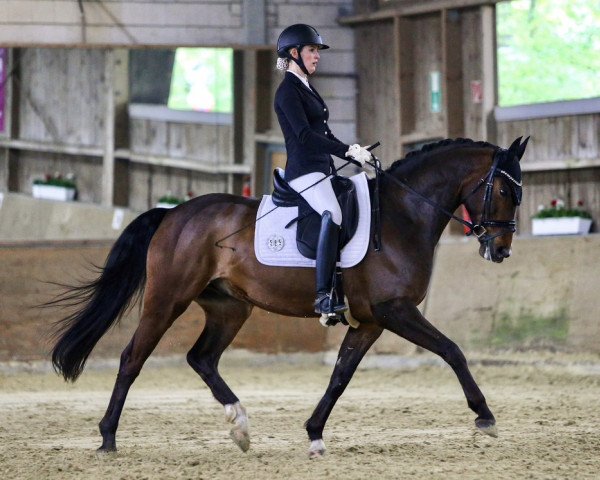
[(548, 50), (202, 80)]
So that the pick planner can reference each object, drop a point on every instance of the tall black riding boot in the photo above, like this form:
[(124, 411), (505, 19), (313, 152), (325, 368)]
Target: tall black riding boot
[(327, 253)]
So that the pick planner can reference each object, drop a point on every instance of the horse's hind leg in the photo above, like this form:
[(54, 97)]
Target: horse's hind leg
[(156, 318), (404, 319), (356, 343), (224, 318)]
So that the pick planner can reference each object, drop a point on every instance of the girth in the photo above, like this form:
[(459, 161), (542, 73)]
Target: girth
[(309, 221)]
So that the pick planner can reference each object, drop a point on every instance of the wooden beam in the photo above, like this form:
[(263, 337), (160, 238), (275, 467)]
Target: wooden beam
[(560, 165), (34, 146), (397, 50), (414, 8), (191, 164), (452, 59), (108, 158), (489, 72)]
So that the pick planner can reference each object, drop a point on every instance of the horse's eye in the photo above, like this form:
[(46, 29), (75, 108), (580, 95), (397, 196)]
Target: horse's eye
[(503, 191)]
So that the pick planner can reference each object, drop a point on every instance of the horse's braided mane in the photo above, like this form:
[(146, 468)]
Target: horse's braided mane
[(448, 142)]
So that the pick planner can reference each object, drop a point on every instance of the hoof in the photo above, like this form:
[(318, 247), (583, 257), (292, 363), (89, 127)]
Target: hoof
[(316, 450), (235, 413), (240, 438), (106, 450), (487, 426)]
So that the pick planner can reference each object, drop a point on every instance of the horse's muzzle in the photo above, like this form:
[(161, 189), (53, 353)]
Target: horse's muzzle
[(494, 253)]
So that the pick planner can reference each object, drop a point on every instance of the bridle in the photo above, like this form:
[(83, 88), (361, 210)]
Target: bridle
[(506, 226)]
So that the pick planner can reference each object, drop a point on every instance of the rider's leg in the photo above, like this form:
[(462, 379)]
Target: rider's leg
[(327, 254), (321, 197)]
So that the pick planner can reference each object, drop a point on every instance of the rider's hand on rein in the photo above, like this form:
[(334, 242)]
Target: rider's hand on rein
[(359, 154)]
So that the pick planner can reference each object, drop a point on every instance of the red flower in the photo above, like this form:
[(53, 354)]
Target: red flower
[(580, 203), (554, 202)]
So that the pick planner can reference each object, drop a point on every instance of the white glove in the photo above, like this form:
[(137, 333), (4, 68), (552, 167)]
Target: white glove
[(358, 153)]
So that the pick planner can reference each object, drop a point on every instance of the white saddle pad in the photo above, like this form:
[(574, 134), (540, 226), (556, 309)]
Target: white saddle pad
[(275, 245)]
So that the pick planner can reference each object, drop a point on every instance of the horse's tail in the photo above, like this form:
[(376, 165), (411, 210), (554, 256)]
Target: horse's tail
[(103, 301)]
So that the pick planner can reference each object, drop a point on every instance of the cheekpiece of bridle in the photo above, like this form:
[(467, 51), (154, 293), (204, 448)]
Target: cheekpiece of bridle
[(502, 158)]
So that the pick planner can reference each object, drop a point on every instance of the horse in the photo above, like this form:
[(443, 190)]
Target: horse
[(170, 258)]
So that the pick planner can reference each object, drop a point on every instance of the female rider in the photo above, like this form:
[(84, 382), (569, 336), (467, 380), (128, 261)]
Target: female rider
[(303, 116)]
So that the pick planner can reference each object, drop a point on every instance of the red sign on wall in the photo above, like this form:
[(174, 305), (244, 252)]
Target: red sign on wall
[(476, 91), (3, 74)]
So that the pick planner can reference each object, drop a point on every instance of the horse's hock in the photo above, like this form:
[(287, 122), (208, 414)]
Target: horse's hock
[(544, 294)]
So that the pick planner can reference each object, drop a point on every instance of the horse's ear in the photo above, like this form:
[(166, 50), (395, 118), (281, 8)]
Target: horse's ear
[(513, 147), (521, 149)]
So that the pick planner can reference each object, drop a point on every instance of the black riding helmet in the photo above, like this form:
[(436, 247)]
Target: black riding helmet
[(298, 36)]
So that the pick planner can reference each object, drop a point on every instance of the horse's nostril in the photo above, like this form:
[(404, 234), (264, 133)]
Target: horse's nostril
[(504, 252)]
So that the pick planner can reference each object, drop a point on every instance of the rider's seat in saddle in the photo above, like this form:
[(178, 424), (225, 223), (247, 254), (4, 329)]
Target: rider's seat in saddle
[(309, 221)]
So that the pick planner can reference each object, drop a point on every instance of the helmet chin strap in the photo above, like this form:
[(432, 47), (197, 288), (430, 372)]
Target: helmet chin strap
[(299, 61)]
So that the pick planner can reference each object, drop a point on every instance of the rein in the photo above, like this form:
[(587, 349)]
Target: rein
[(477, 229)]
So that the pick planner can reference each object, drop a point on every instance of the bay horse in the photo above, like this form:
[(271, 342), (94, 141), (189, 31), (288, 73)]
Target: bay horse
[(171, 258)]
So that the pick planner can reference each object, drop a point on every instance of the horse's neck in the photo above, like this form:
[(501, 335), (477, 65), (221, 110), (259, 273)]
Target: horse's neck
[(439, 178)]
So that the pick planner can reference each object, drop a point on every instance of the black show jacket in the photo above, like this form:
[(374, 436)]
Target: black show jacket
[(303, 116)]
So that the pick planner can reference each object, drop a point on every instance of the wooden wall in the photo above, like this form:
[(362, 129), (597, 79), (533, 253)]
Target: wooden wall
[(60, 128), (405, 41), (395, 61), (378, 102), (562, 161), (122, 22), (204, 142), (48, 81), (25, 269), (212, 158)]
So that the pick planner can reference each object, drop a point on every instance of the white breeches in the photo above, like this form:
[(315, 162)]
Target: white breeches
[(321, 196)]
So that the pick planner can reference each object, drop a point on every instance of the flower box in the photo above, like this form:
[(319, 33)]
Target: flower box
[(560, 226), (53, 192), (166, 205)]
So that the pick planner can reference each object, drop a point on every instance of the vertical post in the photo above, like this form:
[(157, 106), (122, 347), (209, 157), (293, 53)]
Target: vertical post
[(249, 93), (5, 108), (397, 49), (489, 70), (12, 121), (452, 56), (245, 65), (108, 159), (255, 21)]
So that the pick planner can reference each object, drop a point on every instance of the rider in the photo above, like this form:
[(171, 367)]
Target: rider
[(309, 143)]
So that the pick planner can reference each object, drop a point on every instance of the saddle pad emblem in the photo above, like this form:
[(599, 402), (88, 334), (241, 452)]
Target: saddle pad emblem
[(275, 245)]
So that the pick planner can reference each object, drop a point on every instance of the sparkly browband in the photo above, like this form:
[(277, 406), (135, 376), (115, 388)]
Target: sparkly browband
[(507, 175)]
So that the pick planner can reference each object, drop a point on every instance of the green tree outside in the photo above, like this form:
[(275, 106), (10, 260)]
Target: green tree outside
[(202, 80), (548, 50)]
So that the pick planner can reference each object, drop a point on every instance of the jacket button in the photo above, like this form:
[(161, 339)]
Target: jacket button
[(324, 109), (324, 121)]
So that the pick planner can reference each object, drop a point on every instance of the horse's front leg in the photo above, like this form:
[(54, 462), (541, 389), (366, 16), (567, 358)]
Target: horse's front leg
[(403, 318), (356, 343)]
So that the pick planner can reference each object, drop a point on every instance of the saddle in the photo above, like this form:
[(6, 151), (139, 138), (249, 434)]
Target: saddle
[(309, 221)]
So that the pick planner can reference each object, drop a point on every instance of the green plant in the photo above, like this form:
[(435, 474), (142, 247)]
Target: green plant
[(557, 209), (57, 180), (173, 200), (170, 199), (528, 328)]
